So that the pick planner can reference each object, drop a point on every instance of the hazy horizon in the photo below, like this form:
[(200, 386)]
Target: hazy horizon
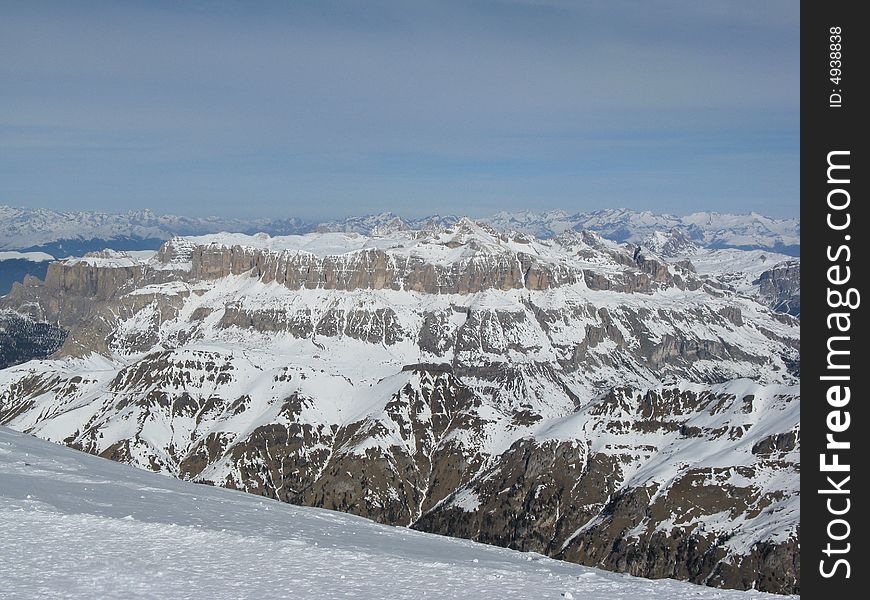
[(406, 216), (322, 109)]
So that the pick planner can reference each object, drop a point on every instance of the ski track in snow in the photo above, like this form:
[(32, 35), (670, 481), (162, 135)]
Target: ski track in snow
[(77, 526)]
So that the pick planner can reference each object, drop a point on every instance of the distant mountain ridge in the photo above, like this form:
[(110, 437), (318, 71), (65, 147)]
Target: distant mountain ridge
[(74, 233), (708, 229), (43, 229)]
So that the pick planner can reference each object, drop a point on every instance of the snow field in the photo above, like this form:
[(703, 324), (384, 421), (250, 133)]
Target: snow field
[(77, 526)]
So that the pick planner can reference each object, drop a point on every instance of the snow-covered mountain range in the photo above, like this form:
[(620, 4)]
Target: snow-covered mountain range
[(623, 405), (67, 233), (76, 526), (767, 266), (708, 229)]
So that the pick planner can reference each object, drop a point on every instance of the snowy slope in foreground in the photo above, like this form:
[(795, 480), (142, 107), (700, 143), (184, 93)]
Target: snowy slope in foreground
[(74, 525)]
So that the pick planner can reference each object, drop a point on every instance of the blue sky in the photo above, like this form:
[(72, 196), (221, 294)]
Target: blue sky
[(327, 108)]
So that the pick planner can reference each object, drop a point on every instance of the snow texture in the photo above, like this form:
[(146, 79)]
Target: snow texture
[(31, 256), (77, 526)]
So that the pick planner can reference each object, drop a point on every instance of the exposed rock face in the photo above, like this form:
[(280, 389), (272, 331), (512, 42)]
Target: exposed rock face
[(376, 270), (574, 397), (87, 280), (585, 501), (781, 287), (770, 277)]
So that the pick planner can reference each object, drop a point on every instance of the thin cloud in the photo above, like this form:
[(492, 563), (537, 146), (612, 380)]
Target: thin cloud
[(319, 91)]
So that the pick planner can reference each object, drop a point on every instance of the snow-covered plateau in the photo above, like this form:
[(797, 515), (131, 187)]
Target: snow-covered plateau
[(77, 526), (629, 406)]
